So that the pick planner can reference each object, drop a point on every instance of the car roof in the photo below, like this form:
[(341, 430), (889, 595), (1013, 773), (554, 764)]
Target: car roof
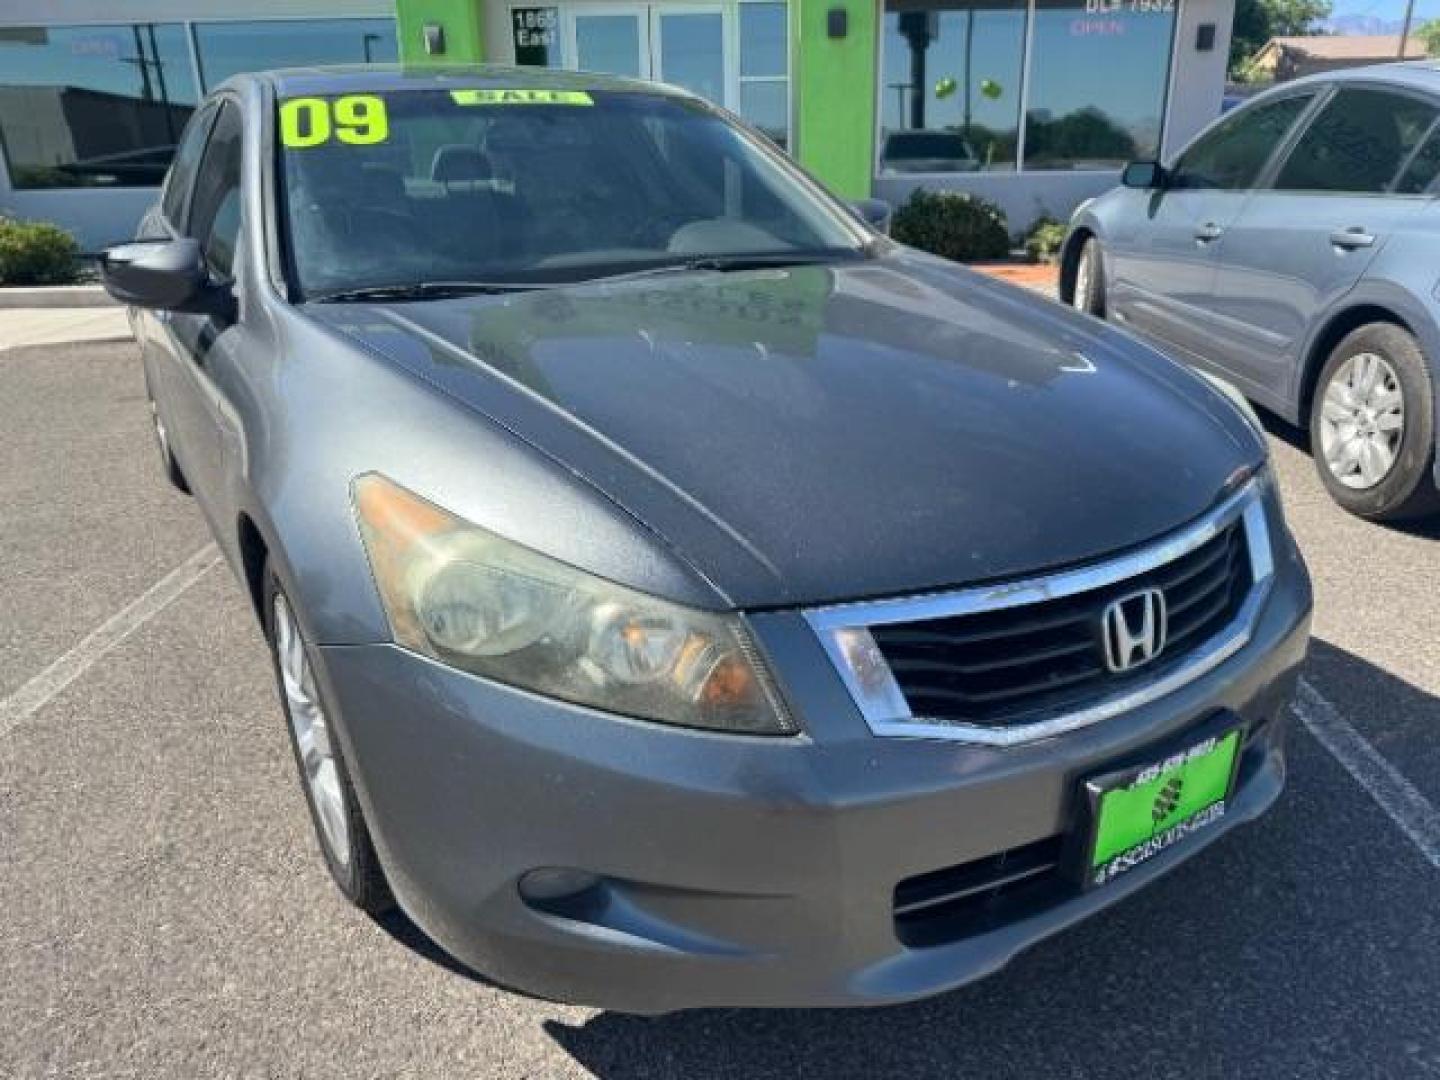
[(1415, 74), (359, 78)]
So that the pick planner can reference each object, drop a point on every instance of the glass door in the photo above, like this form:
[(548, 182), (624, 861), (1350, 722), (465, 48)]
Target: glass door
[(687, 48), (732, 52), (680, 45), (611, 40)]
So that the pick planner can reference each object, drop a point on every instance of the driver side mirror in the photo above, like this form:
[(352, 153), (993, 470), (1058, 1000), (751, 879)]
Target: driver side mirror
[(874, 212), (165, 275), (1145, 175)]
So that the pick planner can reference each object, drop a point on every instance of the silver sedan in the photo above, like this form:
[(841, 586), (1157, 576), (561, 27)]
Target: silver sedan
[(1292, 249)]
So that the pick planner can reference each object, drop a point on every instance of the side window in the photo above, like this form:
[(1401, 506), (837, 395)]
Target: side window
[(1424, 167), (1231, 156), (215, 208), (182, 169), (1357, 143)]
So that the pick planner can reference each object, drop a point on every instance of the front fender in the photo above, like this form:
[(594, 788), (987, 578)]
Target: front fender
[(1416, 311), (1083, 224)]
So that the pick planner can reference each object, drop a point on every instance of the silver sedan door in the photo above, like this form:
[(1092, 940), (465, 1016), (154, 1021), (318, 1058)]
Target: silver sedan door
[(1305, 239), (1162, 261), (215, 223)]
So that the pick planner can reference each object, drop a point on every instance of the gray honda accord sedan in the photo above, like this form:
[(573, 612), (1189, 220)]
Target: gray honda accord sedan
[(679, 593), (1291, 249)]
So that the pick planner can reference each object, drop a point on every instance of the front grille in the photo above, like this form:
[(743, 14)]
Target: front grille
[(1000, 668)]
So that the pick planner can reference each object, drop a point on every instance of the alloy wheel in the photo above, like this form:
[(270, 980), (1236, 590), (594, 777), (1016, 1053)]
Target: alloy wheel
[(1362, 421), (1083, 273), (312, 732)]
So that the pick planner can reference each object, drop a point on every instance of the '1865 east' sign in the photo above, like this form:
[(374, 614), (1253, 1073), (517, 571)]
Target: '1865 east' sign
[(536, 31)]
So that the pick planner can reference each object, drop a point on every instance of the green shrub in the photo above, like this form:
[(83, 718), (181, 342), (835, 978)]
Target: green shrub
[(1043, 239), (954, 224), (36, 253)]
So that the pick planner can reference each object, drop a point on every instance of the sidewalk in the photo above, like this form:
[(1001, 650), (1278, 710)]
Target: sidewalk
[(56, 326), (1038, 277)]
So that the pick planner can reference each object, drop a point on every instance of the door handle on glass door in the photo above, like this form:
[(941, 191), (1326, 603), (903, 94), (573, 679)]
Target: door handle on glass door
[(1353, 237), (1207, 232)]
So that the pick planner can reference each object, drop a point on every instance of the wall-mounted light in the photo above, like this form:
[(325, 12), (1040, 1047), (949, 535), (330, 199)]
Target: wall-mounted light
[(434, 39), (837, 22), (1205, 37)]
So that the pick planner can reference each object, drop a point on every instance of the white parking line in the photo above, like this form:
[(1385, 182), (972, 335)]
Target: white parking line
[(33, 696), (1402, 802)]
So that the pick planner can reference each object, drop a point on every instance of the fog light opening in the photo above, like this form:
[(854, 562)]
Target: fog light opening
[(552, 885)]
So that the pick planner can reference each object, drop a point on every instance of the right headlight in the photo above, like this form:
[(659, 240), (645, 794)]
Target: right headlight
[(468, 598)]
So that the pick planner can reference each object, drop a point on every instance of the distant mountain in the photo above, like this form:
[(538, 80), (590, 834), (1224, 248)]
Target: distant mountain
[(1361, 24)]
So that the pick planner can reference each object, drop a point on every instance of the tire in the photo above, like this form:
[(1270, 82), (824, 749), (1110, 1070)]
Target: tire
[(168, 464), (1089, 292), (334, 811), (1372, 425)]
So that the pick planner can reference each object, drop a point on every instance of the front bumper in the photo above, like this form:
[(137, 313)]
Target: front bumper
[(741, 870)]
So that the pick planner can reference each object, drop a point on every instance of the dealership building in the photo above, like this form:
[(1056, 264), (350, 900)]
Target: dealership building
[(1033, 103)]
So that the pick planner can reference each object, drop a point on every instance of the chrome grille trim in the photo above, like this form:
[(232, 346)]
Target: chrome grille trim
[(844, 632)]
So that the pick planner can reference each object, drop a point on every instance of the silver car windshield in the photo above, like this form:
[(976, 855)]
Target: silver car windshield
[(517, 186)]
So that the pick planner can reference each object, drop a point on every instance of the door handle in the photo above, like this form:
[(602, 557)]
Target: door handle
[(1351, 238), (1207, 232)]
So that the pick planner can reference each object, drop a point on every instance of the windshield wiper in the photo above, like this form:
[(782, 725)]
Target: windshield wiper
[(422, 290), (728, 263)]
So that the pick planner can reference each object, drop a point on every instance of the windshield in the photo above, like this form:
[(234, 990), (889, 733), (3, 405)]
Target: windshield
[(503, 187)]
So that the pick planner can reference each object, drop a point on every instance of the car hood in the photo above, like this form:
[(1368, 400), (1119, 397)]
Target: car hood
[(825, 433)]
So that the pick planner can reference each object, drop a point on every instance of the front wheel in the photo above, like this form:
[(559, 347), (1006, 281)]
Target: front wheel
[(339, 825), (1089, 294), (1372, 425), (168, 463)]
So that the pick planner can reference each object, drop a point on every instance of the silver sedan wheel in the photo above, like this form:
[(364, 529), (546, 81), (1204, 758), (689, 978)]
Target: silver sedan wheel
[(312, 733), (1362, 421), (1084, 272)]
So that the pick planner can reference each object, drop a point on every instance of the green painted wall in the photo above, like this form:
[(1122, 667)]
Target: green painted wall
[(834, 92), (464, 23)]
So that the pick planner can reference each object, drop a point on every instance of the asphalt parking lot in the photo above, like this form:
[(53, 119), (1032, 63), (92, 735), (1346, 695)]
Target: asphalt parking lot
[(167, 914)]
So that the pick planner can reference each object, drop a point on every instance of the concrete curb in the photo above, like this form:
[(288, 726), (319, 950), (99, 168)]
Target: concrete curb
[(34, 346), (55, 296)]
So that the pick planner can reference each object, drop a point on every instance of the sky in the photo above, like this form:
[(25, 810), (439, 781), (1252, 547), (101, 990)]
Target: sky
[(1387, 10)]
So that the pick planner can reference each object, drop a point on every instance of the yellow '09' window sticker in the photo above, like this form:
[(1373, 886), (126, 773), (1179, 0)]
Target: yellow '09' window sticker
[(355, 119), (521, 97)]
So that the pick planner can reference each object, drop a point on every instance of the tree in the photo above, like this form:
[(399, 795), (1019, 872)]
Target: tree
[(1257, 21), (1429, 33)]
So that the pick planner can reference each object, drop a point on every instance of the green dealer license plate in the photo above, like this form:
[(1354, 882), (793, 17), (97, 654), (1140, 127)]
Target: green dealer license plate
[(1141, 812)]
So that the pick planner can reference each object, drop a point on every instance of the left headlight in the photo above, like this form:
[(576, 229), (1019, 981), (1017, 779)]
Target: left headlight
[(468, 598)]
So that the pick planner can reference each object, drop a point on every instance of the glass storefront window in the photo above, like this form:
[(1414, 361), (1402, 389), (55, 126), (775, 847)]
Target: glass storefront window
[(95, 105), (228, 48), (608, 43), (89, 106), (767, 106), (763, 35), (1098, 76), (951, 71), (690, 51), (765, 68)]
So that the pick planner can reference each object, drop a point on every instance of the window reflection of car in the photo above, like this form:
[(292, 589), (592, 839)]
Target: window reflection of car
[(927, 152), (129, 168)]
